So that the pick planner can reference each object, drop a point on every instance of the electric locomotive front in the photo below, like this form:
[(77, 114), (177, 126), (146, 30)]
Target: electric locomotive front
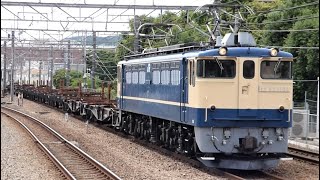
[(240, 102)]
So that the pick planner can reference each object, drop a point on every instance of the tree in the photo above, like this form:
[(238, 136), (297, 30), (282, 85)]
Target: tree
[(306, 64), (106, 64), (61, 75)]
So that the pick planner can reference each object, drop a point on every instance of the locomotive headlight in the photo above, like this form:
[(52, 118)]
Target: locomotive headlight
[(223, 51), (274, 52), (213, 107), (281, 108)]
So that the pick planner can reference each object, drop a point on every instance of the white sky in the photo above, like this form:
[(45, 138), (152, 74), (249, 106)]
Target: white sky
[(59, 15)]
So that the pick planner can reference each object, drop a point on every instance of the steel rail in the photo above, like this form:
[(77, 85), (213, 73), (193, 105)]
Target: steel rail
[(58, 164), (83, 154), (304, 155), (273, 176), (304, 151)]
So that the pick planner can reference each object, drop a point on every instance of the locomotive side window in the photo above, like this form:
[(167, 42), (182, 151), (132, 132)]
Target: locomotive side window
[(128, 74), (135, 75), (216, 68), (156, 73), (165, 73), (142, 74), (276, 69), (248, 69), (175, 73)]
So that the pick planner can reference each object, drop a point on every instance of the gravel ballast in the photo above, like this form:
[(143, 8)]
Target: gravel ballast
[(20, 156), (124, 157), (132, 161)]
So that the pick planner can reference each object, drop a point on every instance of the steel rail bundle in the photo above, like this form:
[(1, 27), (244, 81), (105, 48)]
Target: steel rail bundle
[(67, 158)]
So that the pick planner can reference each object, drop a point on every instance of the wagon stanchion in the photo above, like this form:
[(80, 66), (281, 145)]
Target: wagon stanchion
[(109, 91)]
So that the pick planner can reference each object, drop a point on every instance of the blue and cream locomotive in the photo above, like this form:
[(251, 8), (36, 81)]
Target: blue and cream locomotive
[(228, 106)]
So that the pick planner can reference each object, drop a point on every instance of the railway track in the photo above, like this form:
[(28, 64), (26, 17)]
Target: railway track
[(229, 174), (69, 159), (304, 155), (255, 174)]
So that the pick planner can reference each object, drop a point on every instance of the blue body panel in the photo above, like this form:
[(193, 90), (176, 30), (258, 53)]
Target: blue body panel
[(153, 91), (217, 118)]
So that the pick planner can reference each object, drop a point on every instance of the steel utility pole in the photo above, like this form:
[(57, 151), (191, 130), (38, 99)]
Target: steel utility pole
[(317, 130), (51, 67), (21, 68), (48, 72), (93, 68), (85, 52), (40, 68), (29, 77), (29, 73), (4, 67), (12, 67), (68, 65), (65, 61), (84, 58)]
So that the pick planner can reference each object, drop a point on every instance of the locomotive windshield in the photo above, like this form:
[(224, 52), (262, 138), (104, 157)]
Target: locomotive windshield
[(276, 69), (216, 68)]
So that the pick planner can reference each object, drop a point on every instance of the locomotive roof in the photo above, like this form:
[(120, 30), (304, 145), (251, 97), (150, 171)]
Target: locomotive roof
[(232, 51), (245, 52)]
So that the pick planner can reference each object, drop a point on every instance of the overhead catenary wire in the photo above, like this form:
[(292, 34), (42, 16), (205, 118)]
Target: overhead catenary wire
[(284, 47), (286, 20), (284, 30)]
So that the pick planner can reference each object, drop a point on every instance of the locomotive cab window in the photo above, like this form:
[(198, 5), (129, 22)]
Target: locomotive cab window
[(216, 68), (191, 73), (276, 69), (248, 69)]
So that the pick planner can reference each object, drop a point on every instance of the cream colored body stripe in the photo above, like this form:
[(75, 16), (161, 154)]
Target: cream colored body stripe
[(153, 100)]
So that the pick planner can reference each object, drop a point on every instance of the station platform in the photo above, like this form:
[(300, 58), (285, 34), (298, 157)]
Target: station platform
[(305, 143)]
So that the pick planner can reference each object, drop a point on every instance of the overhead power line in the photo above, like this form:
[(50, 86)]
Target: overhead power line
[(286, 20), (285, 30), (284, 47), (300, 47)]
